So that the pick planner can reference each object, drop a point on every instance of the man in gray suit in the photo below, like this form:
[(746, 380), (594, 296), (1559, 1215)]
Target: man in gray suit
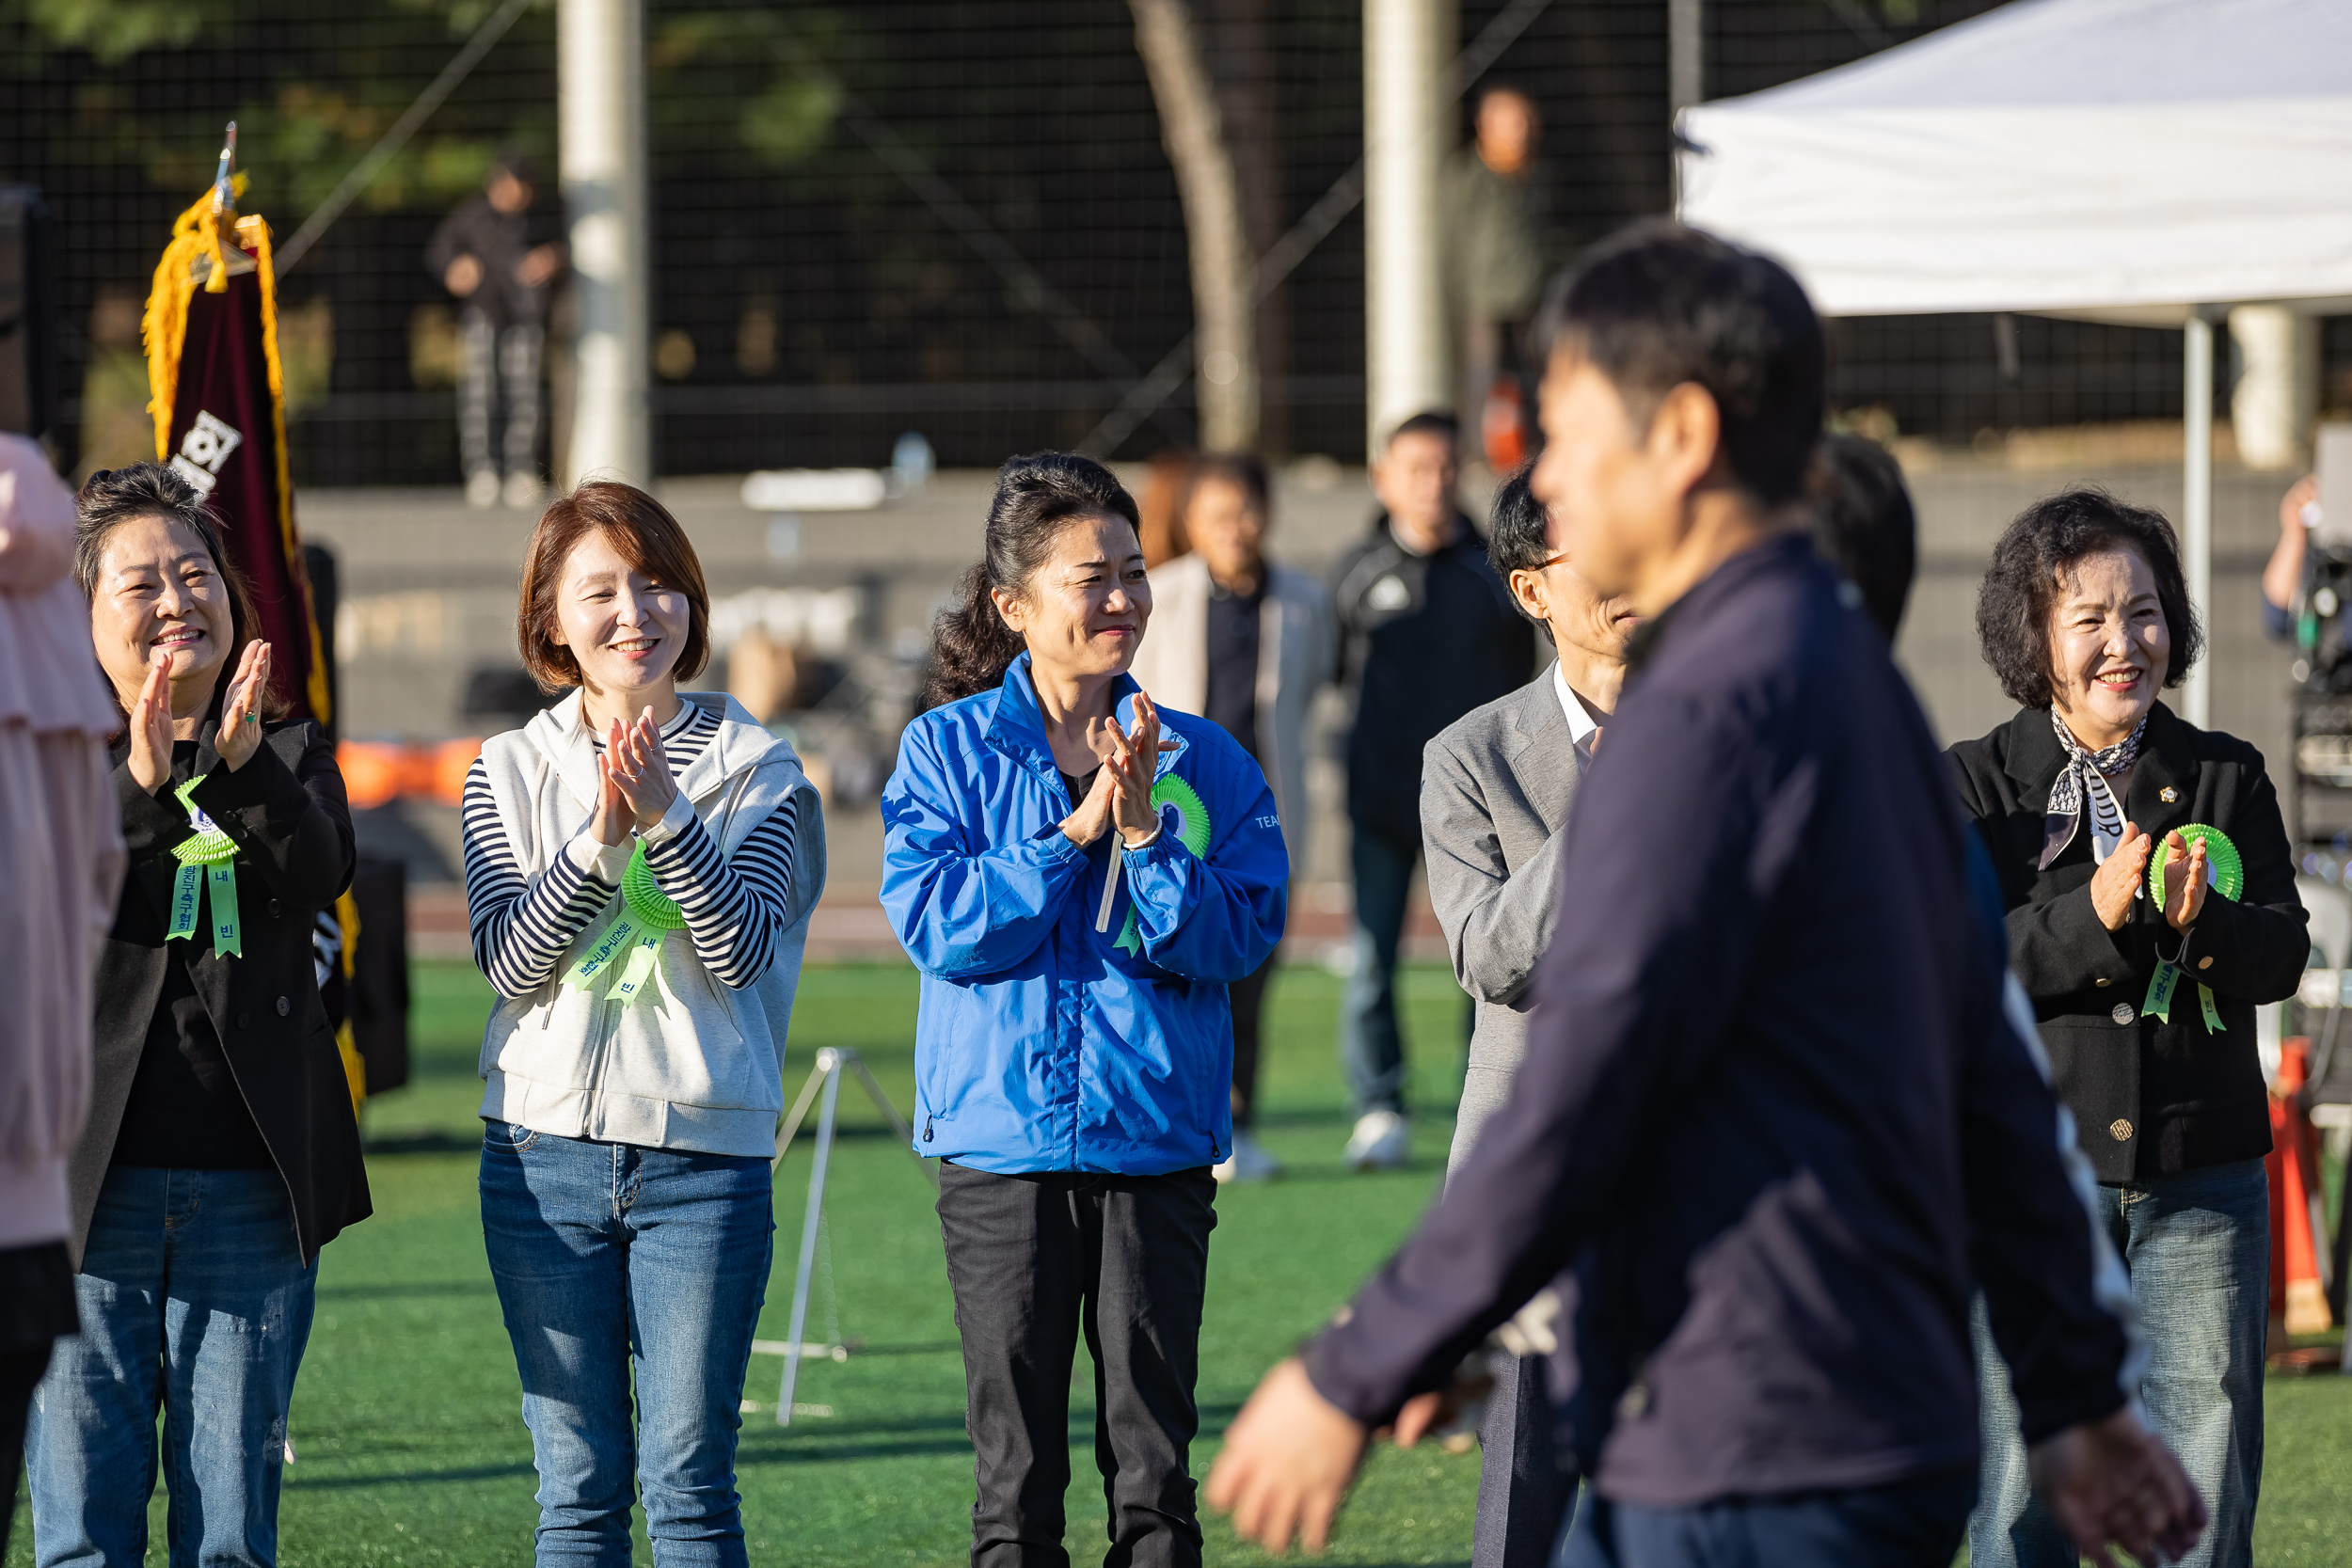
[(1496, 790)]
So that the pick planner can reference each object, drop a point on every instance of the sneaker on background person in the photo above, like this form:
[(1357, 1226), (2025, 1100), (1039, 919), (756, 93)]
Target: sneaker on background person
[(1383, 1140), (1249, 1162)]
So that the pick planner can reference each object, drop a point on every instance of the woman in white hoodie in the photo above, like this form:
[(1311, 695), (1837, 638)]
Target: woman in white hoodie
[(640, 867)]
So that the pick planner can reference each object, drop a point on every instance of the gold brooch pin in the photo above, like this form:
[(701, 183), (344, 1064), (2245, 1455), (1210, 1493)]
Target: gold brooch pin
[(2168, 795)]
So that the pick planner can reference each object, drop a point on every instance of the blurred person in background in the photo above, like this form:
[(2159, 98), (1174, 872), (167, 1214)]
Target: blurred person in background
[(1864, 525), (2085, 617), (1491, 201), (1080, 874), (641, 863), (2283, 574), (61, 866), (1426, 632), (1771, 1057), (1244, 643), (483, 255), (221, 1151), (1497, 788)]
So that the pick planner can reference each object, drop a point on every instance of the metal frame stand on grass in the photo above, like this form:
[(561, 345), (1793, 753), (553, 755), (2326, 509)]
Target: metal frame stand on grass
[(832, 1062)]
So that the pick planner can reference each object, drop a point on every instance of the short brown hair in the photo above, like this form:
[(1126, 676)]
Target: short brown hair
[(643, 534)]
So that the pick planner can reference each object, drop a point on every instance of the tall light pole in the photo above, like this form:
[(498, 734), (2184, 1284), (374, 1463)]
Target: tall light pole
[(1686, 77), (600, 106), (1409, 123)]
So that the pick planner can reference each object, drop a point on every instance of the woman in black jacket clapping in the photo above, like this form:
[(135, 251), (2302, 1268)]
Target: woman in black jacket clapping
[(2145, 986), (221, 1151)]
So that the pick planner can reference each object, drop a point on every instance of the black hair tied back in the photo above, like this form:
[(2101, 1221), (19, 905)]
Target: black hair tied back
[(1037, 496)]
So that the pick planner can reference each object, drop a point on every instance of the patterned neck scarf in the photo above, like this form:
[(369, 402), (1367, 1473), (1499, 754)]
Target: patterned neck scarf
[(2084, 778)]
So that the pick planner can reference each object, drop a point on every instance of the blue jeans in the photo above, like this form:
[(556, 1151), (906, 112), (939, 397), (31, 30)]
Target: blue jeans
[(611, 1258), (1912, 1522), (196, 1304), (2198, 1248)]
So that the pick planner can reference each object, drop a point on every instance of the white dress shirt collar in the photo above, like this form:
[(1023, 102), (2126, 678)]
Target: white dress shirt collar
[(1580, 722)]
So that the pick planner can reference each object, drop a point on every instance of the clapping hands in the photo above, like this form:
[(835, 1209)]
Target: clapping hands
[(150, 727), (1133, 765), (239, 734), (1121, 795), (2184, 888), (236, 740), (2116, 882), (634, 789)]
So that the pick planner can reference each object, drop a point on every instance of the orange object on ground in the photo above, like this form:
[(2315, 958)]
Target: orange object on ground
[(1502, 425), (2299, 1222), (376, 773)]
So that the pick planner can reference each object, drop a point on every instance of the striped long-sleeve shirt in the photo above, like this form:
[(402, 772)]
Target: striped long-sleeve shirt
[(733, 905)]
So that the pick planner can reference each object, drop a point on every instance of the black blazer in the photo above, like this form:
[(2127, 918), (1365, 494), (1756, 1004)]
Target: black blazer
[(286, 811), (2149, 1099)]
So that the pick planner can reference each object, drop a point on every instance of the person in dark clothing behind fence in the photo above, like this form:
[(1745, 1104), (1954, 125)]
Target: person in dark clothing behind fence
[(1428, 632), (483, 254), (1780, 1110)]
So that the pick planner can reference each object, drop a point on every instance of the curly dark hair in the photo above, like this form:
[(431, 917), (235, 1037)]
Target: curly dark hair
[(112, 497), (1037, 496), (2013, 605)]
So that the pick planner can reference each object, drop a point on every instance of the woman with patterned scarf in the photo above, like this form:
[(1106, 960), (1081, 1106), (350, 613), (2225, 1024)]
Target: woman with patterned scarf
[(2152, 907)]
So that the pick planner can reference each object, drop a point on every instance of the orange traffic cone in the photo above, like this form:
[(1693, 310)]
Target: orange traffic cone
[(2298, 1224), (1502, 425)]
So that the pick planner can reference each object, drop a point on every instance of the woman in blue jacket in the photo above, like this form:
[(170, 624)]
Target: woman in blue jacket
[(1078, 876)]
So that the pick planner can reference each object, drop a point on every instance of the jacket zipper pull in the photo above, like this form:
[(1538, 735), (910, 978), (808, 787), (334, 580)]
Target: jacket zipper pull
[(927, 1130), (1110, 888)]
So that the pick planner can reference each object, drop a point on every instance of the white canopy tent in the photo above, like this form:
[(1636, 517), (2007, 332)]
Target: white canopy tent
[(2144, 161)]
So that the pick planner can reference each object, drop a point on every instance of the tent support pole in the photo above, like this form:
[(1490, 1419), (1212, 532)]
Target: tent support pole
[(2197, 500)]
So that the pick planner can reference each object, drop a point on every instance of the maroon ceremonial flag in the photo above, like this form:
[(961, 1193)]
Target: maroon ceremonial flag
[(219, 408)]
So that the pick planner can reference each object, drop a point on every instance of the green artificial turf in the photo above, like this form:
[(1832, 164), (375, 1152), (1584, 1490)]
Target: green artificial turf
[(411, 1450)]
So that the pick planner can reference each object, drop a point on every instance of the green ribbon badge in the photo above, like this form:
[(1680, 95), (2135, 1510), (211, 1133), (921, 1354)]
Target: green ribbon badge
[(209, 857), (647, 915), (1193, 829), (2227, 872)]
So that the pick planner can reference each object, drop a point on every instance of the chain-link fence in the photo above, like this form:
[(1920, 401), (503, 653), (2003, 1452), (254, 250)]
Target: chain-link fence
[(953, 217)]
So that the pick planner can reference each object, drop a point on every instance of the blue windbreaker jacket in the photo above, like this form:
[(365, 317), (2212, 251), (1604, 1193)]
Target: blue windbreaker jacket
[(1043, 1044)]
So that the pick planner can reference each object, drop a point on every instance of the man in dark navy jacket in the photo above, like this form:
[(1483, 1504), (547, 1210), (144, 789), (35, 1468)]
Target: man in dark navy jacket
[(1773, 1125)]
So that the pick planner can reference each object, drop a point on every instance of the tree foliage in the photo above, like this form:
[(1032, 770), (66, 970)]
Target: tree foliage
[(313, 88)]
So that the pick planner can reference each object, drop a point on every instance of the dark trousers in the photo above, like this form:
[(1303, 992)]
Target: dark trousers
[(1524, 1483), (1246, 997), (1371, 1049), (1372, 1052), (1914, 1523), (1034, 1262), (36, 1307)]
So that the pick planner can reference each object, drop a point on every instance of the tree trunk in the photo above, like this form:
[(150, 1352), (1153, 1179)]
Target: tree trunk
[(1224, 334), (1243, 65)]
